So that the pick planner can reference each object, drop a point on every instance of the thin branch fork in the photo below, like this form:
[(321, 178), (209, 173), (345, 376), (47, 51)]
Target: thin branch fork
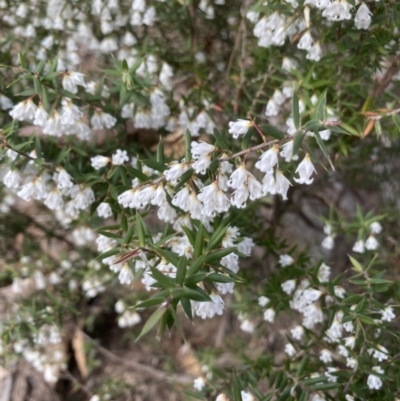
[(153, 373)]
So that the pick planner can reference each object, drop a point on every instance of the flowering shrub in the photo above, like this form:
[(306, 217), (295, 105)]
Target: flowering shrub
[(164, 146)]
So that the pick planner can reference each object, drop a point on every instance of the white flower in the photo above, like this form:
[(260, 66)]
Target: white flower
[(305, 170), (263, 301), (371, 243), (288, 286), (12, 179), (287, 151), (41, 116), (331, 378), (175, 172), (120, 157), (362, 20), (342, 350), (306, 41), (199, 384), (268, 160), (285, 260), (125, 275), (351, 363), (63, 179), (104, 210), (374, 382), (245, 246), (349, 397), (325, 356), (350, 342), (359, 246), (375, 227), (288, 64), (290, 350), (129, 319), (201, 165), (314, 53), (246, 396), (381, 354), (340, 292), (209, 309), (71, 79), (387, 314), (213, 200), (239, 127), (54, 200), (297, 333), (328, 242), (324, 273), (24, 110), (247, 326), (272, 108), (269, 315), (99, 162), (337, 10), (201, 149)]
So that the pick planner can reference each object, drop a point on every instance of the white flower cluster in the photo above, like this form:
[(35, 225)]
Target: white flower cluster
[(307, 300), (45, 352)]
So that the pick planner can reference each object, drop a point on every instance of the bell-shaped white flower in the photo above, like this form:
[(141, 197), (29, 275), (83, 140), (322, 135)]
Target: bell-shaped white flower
[(306, 41), (305, 170), (239, 127), (268, 159), (362, 20)]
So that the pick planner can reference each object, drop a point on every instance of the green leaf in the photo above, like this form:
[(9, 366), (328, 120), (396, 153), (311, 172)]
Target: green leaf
[(181, 271), (197, 265), (188, 144), (311, 125), (137, 173), (155, 165), (221, 141), (161, 278), (217, 236), (160, 152), (37, 85), (295, 110), (187, 307), (186, 176), (129, 234), (219, 254), (169, 256), (22, 60), (272, 131), (151, 322), (350, 129), (40, 67), (323, 148), (124, 222), (320, 107), (298, 139), (195, 293), (247, 138), (356, 264), (199, 242), (189, 234), (140, 230), (153, 301), (237, 396), (108, 253), (303, 365), (195, 278), (219, 278)]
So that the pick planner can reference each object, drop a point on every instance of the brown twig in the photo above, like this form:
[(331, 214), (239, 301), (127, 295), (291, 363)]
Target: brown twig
[(246, 151), (139, 367)]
